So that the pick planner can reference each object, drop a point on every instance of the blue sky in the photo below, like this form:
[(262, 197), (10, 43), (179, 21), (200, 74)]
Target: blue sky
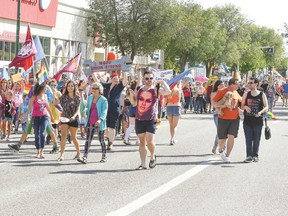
[(269, 13)]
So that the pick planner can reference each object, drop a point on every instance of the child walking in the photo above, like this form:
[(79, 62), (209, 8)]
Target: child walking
[(9, 112)]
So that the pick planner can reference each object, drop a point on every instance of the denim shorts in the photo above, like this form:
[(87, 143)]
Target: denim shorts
[(173, 111), (132, 111)]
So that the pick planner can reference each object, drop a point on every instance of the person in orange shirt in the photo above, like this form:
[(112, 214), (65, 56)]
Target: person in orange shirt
[(228, 123)]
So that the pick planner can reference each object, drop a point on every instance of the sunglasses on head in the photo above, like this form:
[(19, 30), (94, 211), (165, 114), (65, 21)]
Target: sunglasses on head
[(149, 78)]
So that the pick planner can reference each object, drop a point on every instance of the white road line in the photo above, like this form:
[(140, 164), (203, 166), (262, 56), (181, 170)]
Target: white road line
[(147, 198)]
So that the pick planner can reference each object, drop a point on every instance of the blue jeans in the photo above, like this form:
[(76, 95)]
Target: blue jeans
[(187, 102), (15, 119), (24, 127), (39, 125), (199, 104), (252, 137), (270, 103), (215, 117)]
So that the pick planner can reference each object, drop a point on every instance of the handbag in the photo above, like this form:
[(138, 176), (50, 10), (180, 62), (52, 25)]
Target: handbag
[(267, 131)]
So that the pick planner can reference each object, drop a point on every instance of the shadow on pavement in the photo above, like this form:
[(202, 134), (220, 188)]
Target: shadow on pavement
[(92, 171)]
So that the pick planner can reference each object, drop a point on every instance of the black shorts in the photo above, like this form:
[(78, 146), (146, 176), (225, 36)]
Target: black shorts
[(72, 123), (112, 118), (226, 126), (54, 125), (145, 126)]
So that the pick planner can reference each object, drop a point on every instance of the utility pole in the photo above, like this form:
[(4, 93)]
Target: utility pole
[(17, 31)]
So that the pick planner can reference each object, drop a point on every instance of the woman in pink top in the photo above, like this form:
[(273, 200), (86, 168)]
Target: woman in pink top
[(18, 90), (39, 116)]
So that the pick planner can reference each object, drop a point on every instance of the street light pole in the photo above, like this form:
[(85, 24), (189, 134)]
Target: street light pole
[(18, 27), (17, 31)]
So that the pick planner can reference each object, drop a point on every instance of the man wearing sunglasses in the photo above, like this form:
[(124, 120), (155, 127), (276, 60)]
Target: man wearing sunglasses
[(146, 115)]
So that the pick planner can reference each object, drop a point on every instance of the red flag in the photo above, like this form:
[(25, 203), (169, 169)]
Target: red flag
[(26, 54), (71, 66)]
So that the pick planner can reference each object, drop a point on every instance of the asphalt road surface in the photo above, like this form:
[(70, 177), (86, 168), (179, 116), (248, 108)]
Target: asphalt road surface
[(188, 178)]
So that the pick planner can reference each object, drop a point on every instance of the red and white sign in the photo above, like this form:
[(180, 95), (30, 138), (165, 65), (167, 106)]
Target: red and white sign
[(11, 37), (41, 12)]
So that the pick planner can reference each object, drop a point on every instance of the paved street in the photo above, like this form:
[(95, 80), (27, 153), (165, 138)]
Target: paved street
[(188, 178)]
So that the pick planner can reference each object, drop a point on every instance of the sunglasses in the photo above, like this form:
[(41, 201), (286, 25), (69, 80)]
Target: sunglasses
[(52, 85), (149, 78), (250, 82), (95, 88)]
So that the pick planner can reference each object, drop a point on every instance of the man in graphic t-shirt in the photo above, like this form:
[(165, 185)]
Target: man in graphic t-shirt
[(146, 115)]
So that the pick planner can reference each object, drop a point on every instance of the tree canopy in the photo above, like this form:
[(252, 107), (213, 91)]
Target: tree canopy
[(187, 33)]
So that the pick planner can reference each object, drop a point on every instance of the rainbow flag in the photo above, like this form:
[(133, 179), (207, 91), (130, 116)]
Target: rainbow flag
[(42, 75), (276, 73), (270, 115), (27, 88)]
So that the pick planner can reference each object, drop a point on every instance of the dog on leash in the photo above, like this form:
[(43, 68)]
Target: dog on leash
[(227, 100)]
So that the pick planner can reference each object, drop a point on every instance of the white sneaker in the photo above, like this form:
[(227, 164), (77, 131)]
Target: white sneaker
[(223, 155), (227, 160)]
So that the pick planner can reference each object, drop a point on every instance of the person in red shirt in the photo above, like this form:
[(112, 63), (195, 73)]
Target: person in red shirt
[(208, 96), (228, 123)]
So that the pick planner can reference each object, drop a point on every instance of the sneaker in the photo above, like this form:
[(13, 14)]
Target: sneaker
[(172, 142), (223, 156), (103, 159), (227, 160), (3, 136), (255, 159), (14, 147), (7, 139), (249, 159), (82, 160), (126, 142)]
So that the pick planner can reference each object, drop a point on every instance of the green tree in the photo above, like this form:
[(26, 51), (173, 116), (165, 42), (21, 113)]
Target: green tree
[(137, 27)]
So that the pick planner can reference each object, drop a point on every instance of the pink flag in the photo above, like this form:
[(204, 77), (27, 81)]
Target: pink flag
[(26, 54), (71, 66)]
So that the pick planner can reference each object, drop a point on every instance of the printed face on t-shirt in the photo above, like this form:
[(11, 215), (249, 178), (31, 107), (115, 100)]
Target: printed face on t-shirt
[(145, 102)]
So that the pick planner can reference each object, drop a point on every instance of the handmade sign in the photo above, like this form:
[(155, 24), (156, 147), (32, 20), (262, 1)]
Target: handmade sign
[(123, 64)]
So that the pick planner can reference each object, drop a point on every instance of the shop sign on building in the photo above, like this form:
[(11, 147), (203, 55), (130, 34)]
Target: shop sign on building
[(123, 64), (41, 12)]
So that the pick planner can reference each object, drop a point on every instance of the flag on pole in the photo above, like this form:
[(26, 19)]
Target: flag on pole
[(26, 55), (71, 66), (172, 83), (276, 73), (42, 75), (39, 55)]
